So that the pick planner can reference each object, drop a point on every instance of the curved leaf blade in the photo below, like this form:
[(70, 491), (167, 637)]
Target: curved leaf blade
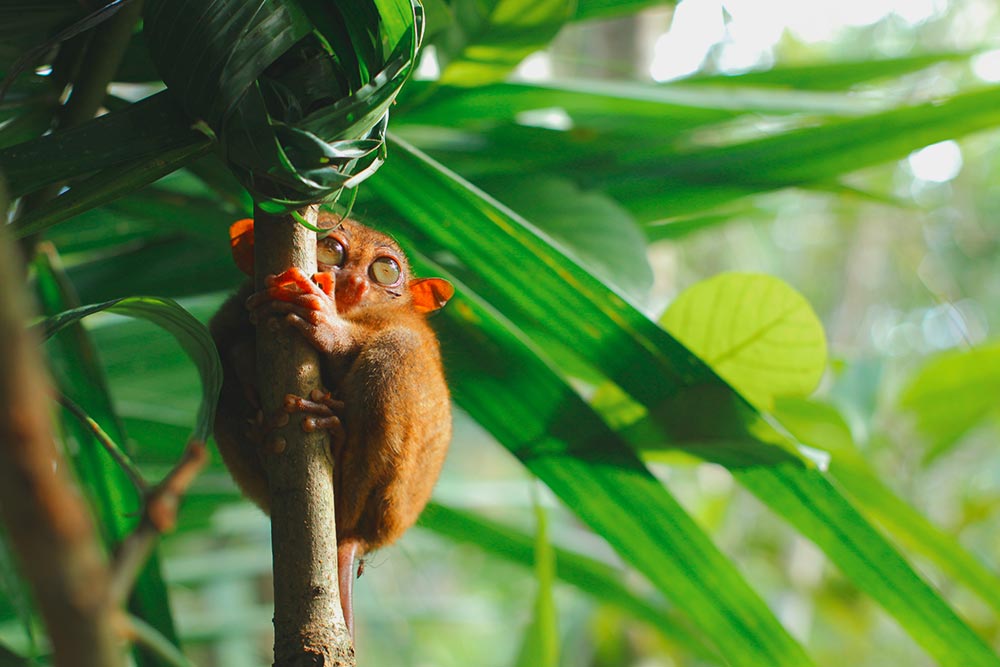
[(297, 92), (811, 503), (817, 423), (540, 647), (80, 376), (503, 383), (601, 581), (488, 39), (686, 401), (499, 249), (191, 334)]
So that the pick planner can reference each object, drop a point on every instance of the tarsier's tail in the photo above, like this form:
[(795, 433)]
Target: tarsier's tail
[(347, 552)]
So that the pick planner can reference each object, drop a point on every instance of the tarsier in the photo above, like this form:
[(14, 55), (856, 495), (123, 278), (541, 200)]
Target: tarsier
[(386, 404)]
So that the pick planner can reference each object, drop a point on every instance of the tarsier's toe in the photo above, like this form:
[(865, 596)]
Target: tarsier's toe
[(327, 399)]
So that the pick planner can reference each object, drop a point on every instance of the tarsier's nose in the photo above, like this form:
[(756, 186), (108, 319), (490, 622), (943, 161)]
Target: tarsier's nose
[(351, 288)]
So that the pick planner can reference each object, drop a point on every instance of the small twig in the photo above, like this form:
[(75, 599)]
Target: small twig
[(160, 502), (140, 632), (159, 516), (112, 448)]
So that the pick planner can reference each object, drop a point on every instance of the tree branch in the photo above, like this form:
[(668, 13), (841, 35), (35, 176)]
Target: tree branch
[(50, 530), (309, 625), (159, 514)]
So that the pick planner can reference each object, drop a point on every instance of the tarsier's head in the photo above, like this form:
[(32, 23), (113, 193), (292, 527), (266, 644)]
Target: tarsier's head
[(369, 267)]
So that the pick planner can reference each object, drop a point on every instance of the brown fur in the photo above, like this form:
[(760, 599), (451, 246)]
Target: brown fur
[(382, 359)]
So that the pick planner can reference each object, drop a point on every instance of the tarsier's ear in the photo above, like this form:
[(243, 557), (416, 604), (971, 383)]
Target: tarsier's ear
[(429, 294), (241, 242)]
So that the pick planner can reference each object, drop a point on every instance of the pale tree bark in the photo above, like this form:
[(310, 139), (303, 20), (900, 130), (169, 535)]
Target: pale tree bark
[(309, 627), (49, 528)]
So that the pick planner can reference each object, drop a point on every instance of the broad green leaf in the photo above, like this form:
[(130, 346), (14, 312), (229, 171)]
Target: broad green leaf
[(822, 426), (837, 76), (27, 23), (28, 124), (505, 385), (759, 334), (147, 217), (80, 376), (540, 647), (153, 383), (104, 187), (595, 229), (155, 439), (173, 266), (507, 262), (611, 106), (9, 658), (811, 502), (140, 133), (488, 39), (613, 337), (191, 334), (676, 182), (606, 9), (594, 578), (684, 225), (952, 393)]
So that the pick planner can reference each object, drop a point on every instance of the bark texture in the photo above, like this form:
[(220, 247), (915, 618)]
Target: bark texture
[(49, 527), (309, 628)]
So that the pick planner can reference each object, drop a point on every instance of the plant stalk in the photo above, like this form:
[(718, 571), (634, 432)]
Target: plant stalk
[(309, 627)]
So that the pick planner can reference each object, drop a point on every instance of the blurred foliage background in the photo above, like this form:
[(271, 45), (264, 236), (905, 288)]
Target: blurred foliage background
[(845, 148)]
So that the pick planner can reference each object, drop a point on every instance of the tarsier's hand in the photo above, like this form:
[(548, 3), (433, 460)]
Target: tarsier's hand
[(308, 303), (323, 413)]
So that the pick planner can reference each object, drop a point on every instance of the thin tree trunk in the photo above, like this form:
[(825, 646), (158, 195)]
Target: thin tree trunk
[(309, 625), (49, 528)]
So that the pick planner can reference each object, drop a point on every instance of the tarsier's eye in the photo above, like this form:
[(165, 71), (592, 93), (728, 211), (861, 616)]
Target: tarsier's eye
[(385, 271), (330, 251)]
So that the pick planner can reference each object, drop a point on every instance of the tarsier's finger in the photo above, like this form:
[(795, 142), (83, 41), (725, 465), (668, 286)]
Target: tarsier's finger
[(333, 427), (269, 308), (295, 403), (256, 299), (332, 424), (303, 323), (326, 398), (325, 282), (293, 277), (310, 301)]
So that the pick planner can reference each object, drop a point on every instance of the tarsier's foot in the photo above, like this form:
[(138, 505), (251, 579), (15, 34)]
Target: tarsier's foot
[(323, 412)]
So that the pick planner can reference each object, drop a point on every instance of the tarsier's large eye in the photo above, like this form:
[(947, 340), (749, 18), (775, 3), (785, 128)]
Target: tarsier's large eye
[(330, 251), (385, 271)]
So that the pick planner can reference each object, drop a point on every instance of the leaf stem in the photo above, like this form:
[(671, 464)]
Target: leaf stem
[(144, 634), (110, 446)]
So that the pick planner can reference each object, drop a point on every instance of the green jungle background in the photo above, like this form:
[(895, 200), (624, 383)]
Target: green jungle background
[(723, 347)]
